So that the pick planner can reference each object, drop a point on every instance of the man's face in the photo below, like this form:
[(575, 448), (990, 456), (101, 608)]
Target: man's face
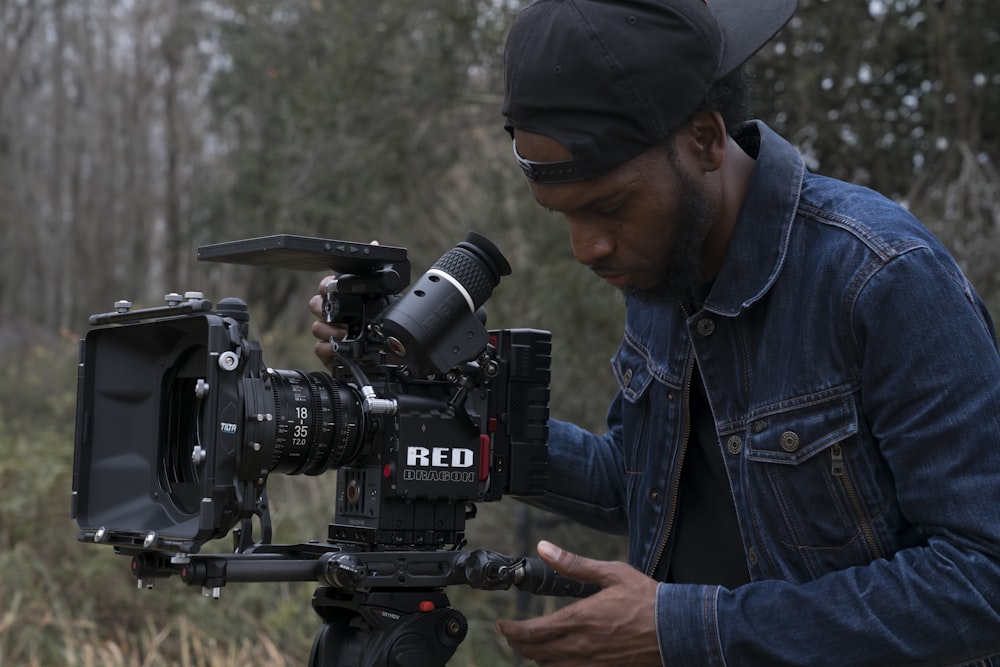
[(641, 227)]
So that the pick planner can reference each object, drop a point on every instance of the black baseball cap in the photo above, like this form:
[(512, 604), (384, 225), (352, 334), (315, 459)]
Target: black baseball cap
[(609, 79)]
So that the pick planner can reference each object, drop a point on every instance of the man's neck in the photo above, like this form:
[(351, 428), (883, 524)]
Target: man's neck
[(737, 170)]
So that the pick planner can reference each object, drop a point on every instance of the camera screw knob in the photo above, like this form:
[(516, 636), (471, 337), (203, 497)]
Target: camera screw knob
[(101, 535), (198, 455), (228, 361), (123, 306), (151, 539), (173, 299), (201, 388)]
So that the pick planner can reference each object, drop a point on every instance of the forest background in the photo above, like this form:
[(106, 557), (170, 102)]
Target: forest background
[(131, 132)]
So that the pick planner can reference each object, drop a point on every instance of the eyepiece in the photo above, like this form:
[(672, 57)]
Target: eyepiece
[(477, 264), (474, 266), (433, 327)]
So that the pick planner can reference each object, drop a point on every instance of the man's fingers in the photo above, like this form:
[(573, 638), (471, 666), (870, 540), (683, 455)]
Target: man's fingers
[(316, 306), (577, 567), (611, 627), (542, 629)]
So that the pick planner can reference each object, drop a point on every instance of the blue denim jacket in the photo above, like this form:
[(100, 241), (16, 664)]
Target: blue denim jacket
[(854, 379)]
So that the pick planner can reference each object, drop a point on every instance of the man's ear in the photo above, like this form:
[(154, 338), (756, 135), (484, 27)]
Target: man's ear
[(708, 133)]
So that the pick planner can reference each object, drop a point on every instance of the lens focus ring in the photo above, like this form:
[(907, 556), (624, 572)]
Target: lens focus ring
[(318, 423)]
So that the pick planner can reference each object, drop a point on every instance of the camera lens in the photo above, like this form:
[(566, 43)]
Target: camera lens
[(319, 423)]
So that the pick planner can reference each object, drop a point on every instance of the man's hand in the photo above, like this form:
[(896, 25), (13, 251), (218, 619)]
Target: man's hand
[(323, 330), (614, 627)]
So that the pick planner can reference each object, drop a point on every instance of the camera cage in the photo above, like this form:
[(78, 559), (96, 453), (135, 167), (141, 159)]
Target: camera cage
[(375, 595)]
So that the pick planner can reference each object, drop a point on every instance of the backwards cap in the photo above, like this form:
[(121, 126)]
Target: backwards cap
[(609, 79)]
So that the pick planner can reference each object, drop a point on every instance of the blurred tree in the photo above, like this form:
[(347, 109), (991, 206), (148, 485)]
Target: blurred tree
[(902, 96), (341, 120), (101, 120)]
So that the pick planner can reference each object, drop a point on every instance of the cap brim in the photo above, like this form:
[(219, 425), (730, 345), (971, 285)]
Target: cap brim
[(748, 26)]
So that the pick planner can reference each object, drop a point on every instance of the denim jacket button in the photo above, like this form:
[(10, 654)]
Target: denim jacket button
[(735, 444), (627, 379), (706, 326), (789, 441), (654, 495)]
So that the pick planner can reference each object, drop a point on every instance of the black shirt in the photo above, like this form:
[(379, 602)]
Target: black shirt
[(707, 546)]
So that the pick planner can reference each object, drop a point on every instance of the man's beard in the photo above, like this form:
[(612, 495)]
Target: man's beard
[(683, 277)]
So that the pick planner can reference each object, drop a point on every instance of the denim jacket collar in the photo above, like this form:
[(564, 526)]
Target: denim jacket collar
[(757, 252)]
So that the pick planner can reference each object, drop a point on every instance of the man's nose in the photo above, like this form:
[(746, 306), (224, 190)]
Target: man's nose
[(590, 241)]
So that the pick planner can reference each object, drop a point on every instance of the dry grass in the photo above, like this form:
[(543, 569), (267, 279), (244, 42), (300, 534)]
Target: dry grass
[(179, 644), (35, 636)]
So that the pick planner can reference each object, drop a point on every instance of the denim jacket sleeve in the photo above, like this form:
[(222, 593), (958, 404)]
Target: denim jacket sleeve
[(576, 455), (930, 396)]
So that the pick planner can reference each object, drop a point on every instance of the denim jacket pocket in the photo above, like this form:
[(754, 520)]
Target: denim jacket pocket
[(631, 368), (801, 432), (802, 459)]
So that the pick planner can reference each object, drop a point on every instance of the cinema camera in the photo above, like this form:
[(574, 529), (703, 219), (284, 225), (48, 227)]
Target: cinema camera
[(180, 424)]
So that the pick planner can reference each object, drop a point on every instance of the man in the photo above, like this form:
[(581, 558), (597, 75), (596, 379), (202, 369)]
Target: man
[(804, 448)]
